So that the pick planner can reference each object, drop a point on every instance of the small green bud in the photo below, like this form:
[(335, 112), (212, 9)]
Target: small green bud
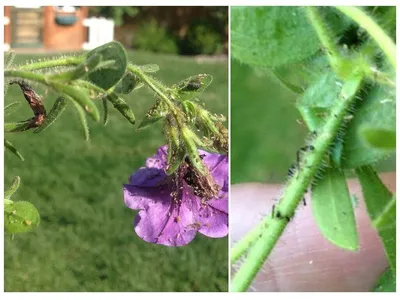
[(190, 140)]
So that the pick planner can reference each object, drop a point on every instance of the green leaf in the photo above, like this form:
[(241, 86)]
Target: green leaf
[(9, 60), (89, 65), (128, 83), (386, 283), (149, 68), (381, 139), (333, 209), (81, 97), (387, 219), (192, 86), (122, 107), (10, 108), (13, 188), (378, 109), (108, 77), (20, 217), (381, 209), (58, 108), (83, 121), (17, 126), (105, 111), (8, 145), (273, 36), (320, 96), (157, 112)]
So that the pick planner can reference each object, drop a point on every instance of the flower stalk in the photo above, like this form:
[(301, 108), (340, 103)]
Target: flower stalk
[(261, 241)]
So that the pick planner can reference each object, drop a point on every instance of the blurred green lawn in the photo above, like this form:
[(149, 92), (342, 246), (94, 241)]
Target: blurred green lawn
[(265, 133), (86, 241)]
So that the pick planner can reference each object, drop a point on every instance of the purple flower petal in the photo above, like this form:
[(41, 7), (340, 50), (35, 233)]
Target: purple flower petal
[(171, 215)]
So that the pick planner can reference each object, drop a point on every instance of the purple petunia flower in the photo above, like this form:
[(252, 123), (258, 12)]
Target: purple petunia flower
[(173, 208)]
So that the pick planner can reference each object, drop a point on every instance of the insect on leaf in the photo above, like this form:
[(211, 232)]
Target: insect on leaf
[(192, 86), (128, 83), (122, 107), (157, 112)]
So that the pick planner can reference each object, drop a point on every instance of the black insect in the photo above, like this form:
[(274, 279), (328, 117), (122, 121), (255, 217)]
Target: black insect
[(277, 214), (192, 85)]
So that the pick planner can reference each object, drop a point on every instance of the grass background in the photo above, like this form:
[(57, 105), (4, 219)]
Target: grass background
[(265, 132), (86, 241)]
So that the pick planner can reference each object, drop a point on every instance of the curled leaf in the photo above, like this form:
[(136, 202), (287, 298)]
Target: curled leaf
[(128, 83), (192, 86), (105, 111), (9, 146), (83, 121), (157, 112), (122, 107), (17, 126), (13, 188), (10, 108), (190, 139), (80, 96), (58, 108)]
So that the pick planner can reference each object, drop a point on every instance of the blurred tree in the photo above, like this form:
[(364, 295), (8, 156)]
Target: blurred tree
[(117, 13)]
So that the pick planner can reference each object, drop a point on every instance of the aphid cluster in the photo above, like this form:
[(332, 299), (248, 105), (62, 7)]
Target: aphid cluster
[(276, 213)]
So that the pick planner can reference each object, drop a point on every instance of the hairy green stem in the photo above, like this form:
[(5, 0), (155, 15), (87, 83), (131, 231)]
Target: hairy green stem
[(325, 37), (26, 75), (294, 191), (152, 84), (58, 62), (243, 244), (374, 30)]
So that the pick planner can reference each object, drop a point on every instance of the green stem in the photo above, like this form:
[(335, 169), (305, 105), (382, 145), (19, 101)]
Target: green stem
[(294, 191), (152, 84), (58, 62), (26, 75), (325, 37), (374, 30), (243, 245)]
